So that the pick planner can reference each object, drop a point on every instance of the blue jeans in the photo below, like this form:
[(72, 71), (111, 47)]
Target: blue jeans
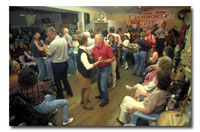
[(50, 103), (49, 68), (102, 82), (71, 68), (147, 59), (41, 68), (75, 60), (144, 75), (140, 57), (124, 54)]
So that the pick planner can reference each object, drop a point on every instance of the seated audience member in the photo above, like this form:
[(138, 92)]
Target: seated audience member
[(164, 64), (25, 37), (29, 60), (13, 52), (20, 49), (153, 103), (14, 68), (40, 96), (154, 56), (168, 51)]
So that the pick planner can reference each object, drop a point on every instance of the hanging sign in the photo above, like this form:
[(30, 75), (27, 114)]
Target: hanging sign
[(149, 18)]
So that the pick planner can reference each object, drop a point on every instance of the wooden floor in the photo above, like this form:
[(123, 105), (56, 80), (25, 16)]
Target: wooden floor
[(99, 116)]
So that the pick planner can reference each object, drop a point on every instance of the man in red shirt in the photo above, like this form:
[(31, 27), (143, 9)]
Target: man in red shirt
[(103, 51)]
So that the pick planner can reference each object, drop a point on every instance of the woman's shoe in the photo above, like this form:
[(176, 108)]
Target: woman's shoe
[(126, 66), (114, 84), (129, 88)]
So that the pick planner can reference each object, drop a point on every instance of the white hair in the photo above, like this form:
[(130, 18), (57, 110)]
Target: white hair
[(87, 33), (100, 36), (66, 30)]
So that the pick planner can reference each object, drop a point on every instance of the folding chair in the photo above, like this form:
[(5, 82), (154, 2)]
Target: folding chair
[(150, 117), (43, 118)]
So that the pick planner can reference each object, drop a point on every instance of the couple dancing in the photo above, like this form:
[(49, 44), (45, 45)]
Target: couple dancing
[(103, 56)]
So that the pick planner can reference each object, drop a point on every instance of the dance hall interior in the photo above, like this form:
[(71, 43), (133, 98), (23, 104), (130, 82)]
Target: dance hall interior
[(100, 66)]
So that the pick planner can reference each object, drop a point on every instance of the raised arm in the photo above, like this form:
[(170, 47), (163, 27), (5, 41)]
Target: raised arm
[(37, 45)]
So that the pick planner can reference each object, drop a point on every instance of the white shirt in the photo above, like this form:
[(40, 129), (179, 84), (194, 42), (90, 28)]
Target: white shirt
[(116, 35), (162, 32), (58, 50), (151, 85), (90, 45), (84, 59), (68, 39), (75, 45), (126, 42)]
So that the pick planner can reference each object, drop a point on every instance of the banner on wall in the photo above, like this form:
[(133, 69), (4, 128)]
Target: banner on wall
[(149, 18)]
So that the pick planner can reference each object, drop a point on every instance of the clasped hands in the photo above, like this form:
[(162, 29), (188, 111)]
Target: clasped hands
[(100, 60)]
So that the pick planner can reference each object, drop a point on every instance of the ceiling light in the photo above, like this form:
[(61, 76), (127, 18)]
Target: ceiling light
[(22, 15)]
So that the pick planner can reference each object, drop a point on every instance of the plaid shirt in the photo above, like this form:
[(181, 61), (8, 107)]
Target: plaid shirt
[(36, 94)]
